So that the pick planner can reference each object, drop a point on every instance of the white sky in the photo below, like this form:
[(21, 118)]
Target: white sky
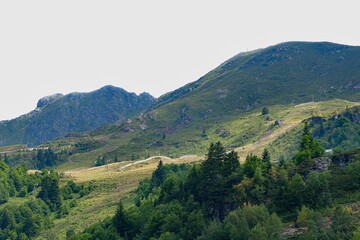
[(156, 46)]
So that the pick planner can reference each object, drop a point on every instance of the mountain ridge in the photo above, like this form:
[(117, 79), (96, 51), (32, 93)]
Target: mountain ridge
[(59, 114)]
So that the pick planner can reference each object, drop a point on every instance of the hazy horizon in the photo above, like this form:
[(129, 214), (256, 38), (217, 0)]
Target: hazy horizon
[(140, 46)]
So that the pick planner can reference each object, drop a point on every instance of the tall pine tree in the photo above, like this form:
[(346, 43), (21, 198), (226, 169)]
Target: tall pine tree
[(309, 148)]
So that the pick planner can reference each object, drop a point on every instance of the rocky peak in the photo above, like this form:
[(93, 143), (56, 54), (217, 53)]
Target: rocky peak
[(48, 100)]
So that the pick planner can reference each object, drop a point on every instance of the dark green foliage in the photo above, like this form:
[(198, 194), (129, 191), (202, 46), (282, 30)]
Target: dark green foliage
[(50, 192), (252, 162), (342, 224), (265, 111), (231, 164), (46, 158), (158, 176), (87, 145), (296, 192), (26, 220), (15, 182), (121, 221), (317, 192), (309, 148), (216, 182), (4, 193), (340, 132), (214, 200), (100, 161), (266, 161)]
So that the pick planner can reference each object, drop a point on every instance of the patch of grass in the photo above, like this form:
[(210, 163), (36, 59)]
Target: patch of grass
[(112, 185)]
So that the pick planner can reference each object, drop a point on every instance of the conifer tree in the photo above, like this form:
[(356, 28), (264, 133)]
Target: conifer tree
[(50, 192), (309, 148), (158, 175), (230, 164), (266, 161), (121, 221)]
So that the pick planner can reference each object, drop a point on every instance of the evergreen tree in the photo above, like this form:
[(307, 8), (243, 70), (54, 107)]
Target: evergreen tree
[(211, 185), (50, 192), (231, 163), (309, 148), (266, 161), (6, 158), (4, 193), (317, 192), (342, 224), (158, 175), (40, 156), (252, 162), (121, 221), (216, 183), (296, 193)]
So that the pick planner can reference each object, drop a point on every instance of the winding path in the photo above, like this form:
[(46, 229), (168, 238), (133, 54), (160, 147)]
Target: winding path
[(141, 161)]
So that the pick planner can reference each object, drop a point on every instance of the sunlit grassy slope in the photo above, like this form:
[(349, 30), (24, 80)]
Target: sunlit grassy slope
[(112, 184), (249, 132), (225, 104)]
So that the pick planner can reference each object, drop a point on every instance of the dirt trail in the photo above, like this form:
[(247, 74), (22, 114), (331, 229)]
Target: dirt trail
[(142, 161)]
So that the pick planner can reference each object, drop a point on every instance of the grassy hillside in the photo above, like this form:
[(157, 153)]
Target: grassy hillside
[(338, 132), (250, 132), (111, 184), (225, 104)]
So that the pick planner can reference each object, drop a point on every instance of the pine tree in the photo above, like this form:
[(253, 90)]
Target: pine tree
[(121, 221), (252, 162), (309, 148), (231, 163), (266, 161), (216, 184), (158, 175), (50, 192), (6, 159)]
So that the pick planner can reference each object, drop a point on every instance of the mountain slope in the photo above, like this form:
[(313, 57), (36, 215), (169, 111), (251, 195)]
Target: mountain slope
[(226, 103), (57, 115), (293, 72)]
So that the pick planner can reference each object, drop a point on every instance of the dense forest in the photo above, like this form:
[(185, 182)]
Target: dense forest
[(223, 199), (30, 202)]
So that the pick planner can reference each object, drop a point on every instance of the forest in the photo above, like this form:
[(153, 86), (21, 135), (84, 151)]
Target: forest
[(40, 200), (223, 199)]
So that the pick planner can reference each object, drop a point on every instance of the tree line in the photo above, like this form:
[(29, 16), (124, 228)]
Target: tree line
[(223, 199)]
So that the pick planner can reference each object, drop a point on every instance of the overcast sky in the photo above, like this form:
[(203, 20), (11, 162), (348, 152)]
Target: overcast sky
[(49, 47)]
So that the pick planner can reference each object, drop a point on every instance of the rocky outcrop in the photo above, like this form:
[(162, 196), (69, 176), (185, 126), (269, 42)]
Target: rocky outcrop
[(48, 100), (57, 115), (322, 164)]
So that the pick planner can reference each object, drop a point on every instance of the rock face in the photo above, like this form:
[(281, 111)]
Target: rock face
[(322, 164), (57, 115), (343, 159), (48, 100)]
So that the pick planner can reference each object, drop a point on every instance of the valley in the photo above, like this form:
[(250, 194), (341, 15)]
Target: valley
[(241, 141)]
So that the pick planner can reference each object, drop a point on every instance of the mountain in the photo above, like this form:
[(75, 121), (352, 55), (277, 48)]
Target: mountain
[(225, 104), (218, 105), (57, 115), (291, 72)]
